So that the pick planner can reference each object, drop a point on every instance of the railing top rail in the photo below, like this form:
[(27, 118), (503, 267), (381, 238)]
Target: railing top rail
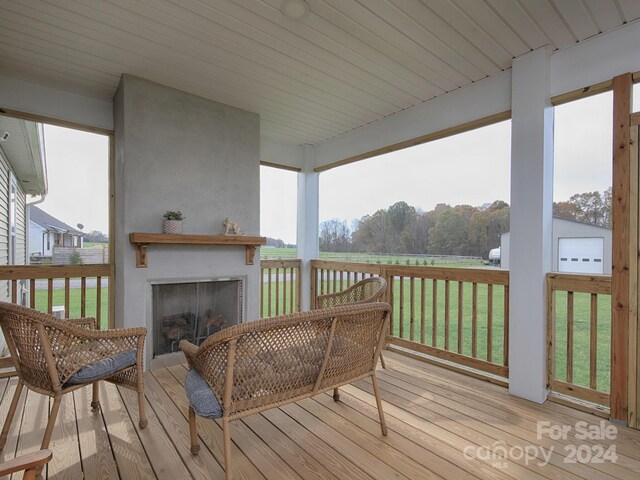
[(472, 275), (282, 263), (24, 272), (582, 283), (347, 266)]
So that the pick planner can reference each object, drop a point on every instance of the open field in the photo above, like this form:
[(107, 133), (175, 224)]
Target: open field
[(377, 258)]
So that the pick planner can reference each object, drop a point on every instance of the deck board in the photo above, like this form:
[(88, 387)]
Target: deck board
[(434, 415)]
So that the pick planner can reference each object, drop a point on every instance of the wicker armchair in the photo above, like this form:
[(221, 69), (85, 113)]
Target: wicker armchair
[(368, 290), (267, 363), (54, 357)]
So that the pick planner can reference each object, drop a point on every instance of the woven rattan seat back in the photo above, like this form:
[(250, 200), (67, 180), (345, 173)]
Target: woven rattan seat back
[(24, 330), (365, 291)]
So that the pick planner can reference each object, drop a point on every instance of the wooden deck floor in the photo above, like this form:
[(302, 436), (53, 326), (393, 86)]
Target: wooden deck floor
[(440, 426)]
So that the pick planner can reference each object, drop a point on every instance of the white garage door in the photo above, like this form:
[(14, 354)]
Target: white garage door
[(580, 255)]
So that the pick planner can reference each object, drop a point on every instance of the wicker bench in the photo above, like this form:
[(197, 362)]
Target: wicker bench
[(271, 362)]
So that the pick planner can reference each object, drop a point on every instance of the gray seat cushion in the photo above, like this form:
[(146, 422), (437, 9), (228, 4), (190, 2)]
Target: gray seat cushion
[(201, 397), (104, 368)]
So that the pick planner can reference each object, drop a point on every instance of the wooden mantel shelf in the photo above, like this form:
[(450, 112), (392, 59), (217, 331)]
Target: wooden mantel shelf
[(143, 240)]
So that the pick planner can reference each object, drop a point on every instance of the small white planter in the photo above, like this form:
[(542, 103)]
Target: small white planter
[(172, 226)]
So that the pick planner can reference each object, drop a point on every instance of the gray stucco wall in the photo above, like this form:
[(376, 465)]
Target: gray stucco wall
[(566, 229), (177, 151)]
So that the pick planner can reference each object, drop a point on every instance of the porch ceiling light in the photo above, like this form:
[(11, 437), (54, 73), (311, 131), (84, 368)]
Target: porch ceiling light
[(294, 9)]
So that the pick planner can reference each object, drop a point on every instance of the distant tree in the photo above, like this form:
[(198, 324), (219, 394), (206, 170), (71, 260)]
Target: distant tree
[(275, 242), (335, 236), (588, 207), (96, 236)]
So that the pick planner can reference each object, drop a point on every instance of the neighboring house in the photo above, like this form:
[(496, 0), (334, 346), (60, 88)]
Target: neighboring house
[(46, 232), (577, 248), (22, 172)]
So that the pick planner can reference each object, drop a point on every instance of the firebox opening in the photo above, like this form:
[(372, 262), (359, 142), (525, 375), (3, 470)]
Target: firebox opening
[(193, 311)]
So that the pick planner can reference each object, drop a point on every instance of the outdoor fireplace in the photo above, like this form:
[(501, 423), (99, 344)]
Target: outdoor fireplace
[(193, 311)]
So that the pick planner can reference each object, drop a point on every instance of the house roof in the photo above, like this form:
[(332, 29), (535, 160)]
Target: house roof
[(24, 151), (588, 225), (49, 222), (341, 66)]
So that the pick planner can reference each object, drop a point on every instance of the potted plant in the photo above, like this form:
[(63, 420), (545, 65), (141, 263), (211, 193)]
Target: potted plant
[(172, 222)]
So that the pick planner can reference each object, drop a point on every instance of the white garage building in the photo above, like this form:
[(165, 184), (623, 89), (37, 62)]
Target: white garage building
[(577, 248)]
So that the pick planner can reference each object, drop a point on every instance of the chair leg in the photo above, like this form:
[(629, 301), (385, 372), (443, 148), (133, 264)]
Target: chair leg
[(226, 434), (382, 364), (51, 423), (195, 446), (10, 414), (141, 410), (336, 394), (383, 425), (95, 400)]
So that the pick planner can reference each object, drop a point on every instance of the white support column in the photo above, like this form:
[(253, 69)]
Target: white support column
[(308, 219), (531, 223)]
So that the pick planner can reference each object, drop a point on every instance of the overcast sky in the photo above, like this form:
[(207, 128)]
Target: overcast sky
[(77, 170), (470, 168)]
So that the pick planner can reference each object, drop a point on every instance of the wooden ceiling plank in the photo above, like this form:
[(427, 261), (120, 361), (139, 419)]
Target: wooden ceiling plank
[(604, 13), (630, 9), (177, 58), (330, 124), (550, 22), (138, 61), (420, 31), (190, 37), (450, 46), (269, 33), (576, 15), (381, 32), (519, 22), (482, 28)]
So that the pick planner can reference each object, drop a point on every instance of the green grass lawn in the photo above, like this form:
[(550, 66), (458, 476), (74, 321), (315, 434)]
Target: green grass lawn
[(75, 303)]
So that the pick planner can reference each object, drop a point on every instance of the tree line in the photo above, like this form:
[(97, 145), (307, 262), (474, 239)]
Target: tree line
[(447, 230)]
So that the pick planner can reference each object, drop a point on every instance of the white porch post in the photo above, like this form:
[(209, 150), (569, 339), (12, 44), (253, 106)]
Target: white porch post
[(531, 223), (308, 219)]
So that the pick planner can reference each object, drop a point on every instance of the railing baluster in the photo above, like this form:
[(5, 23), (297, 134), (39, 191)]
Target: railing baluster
[(67, 296), (474, 320), (447, 295), (401, 307), (335, 281), (50, 296), (434, 313), (277, 291), (505, 328), (392, 297), (32, 293), (83, 297), (423, 304), (284, 290), (593, 342), (342, 280), (460, 316), (14, 291), (412, 310), (570, 331), (261, 292), (489, 322), (269, 292), (98, 302)]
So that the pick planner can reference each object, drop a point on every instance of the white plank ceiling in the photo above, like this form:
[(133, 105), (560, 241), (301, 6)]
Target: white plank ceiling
[(346, 64)]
